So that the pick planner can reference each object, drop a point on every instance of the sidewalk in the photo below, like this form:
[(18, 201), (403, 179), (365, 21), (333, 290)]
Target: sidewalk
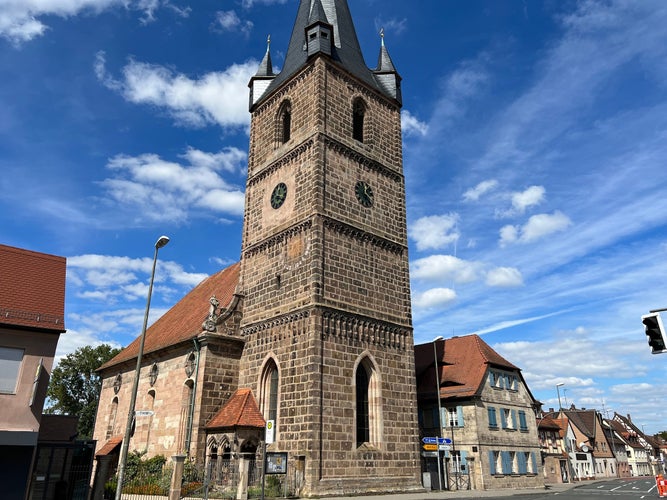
[(437, 495)]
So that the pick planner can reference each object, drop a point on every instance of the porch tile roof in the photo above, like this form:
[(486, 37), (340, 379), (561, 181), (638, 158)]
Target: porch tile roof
[(241, 410)]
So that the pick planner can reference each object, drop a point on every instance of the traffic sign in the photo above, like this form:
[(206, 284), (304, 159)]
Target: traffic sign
[(430, 447), (436, 440), (444, 447), (429, 454), (144, 413)]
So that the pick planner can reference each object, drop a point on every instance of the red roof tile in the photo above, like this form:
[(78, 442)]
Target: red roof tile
[(463, 363), (32, 289), (184, 320), (240, 411)]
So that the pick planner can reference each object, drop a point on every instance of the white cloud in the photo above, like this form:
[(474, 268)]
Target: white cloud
[(435, 231), (474, 194), (504, 277), (211, 99), (532, 196), (21, 20), (433, 298), (391, 26), (444, 267), (230, 21), (410, 125), (537, 227), (152, 188), (249, 3)]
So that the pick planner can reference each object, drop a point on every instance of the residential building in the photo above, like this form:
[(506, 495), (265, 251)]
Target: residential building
[(618, 446), (555, 459), (591, 438), (473, 396), (32, 308), (639, 451), (314, 322)]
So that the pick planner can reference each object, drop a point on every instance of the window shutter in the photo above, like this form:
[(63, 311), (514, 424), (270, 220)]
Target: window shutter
[(513, 416), (503, 419), (492, 417), (459, 415), (507, 462), (533, 460), (464, 462), (492, 379), (523, 466), (522, 420), (492, 463)]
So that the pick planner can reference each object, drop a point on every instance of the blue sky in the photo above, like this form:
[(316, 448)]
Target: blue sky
[(535, 155)]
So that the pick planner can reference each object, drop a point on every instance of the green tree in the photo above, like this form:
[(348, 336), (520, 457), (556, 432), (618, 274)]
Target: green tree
[(75, 386)]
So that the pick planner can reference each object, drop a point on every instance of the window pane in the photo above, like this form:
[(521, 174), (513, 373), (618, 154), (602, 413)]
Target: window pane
[(10, 363)]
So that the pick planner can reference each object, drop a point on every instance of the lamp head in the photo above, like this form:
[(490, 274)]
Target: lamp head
[(560, 384), (162, 241)]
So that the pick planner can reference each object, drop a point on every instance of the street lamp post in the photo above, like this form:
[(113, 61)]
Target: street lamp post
[(162, 241), (437, 393), (560, 384)]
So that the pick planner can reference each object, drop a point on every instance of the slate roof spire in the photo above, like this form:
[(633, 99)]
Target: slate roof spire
[(264, 76), (342, 47)]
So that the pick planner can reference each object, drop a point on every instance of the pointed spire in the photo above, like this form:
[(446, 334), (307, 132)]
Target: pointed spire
[(263, 78), (385, 74), (266, 67), (384, 60)]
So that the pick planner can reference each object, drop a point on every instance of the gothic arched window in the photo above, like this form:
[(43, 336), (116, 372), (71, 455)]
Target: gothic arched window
[(112, 417), (187, 407), (368, 404), (269, 392), (358, 115), (285, 122)]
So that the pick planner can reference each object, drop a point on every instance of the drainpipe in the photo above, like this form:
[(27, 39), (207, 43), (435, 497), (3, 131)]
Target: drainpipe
[(191, 414)]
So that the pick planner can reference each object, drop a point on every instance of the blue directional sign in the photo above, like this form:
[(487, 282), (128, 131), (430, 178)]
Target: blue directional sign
[(436, 440)]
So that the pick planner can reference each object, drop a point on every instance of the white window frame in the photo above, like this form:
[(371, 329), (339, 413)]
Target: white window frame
[(11, 359)]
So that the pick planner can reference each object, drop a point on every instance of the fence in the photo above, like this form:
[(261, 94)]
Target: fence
[(151, 479)]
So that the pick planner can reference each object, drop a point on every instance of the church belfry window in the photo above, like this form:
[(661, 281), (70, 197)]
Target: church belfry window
[(358, 116), (284, 122)]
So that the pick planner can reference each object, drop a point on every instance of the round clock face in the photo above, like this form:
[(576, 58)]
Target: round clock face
[(364, 193), (278, 196)]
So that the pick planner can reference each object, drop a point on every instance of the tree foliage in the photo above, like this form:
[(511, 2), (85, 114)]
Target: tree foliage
[(75, 386)]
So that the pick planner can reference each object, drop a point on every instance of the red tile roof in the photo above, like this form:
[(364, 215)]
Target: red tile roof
[(32, 289), (110, 446), (463, 363), (240, 411), (184, 320)]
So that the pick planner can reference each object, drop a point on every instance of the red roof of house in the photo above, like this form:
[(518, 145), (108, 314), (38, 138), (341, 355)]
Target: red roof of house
[(32, 289), (463, 363), (184, 320), (240, 411)]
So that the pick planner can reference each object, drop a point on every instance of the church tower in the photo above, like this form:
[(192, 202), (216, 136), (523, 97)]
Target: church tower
[(324, 265)]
